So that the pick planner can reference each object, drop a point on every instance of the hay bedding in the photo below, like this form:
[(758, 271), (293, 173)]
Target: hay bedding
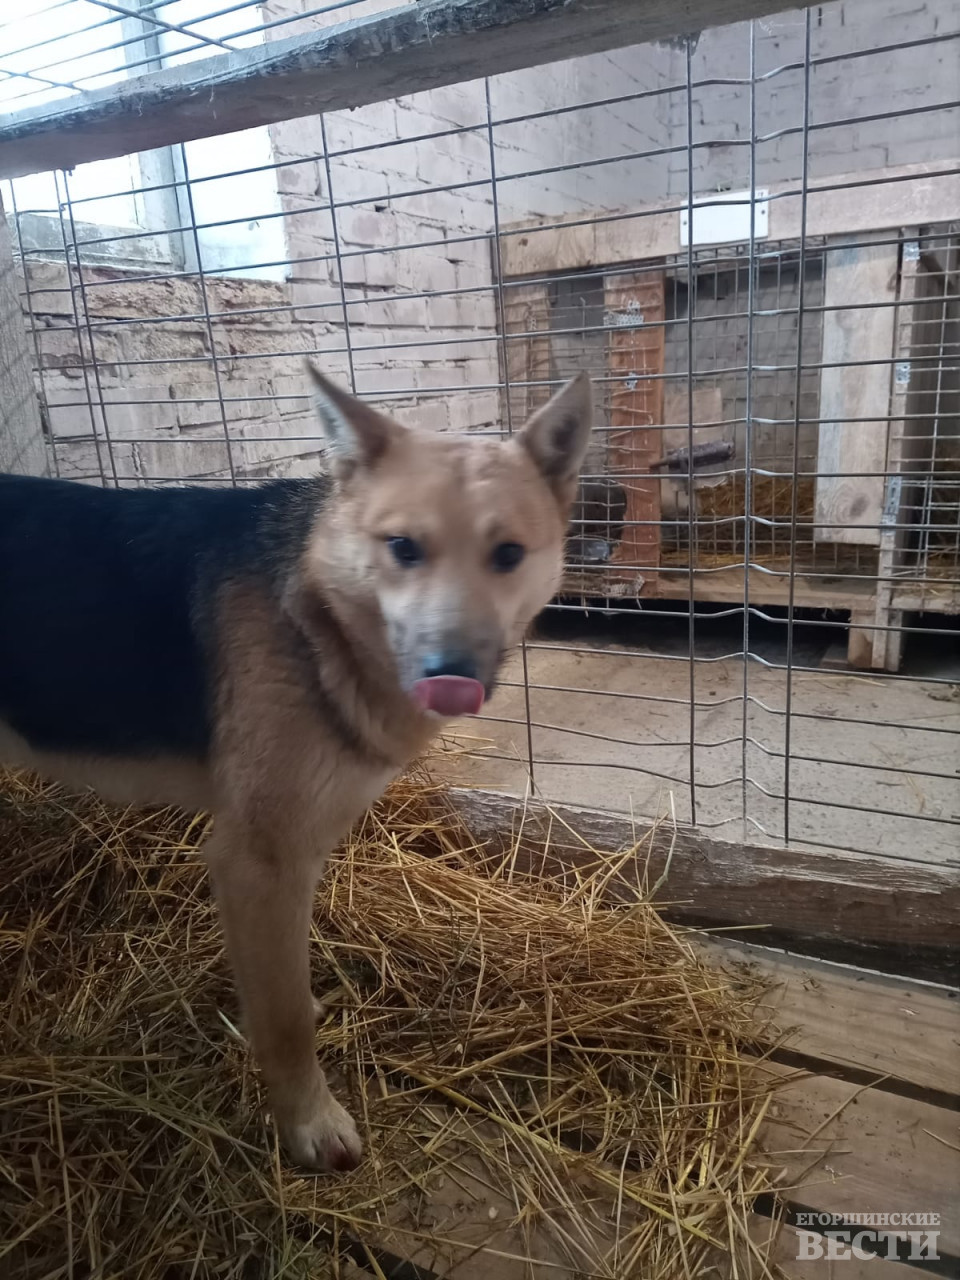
[(536, 1076)]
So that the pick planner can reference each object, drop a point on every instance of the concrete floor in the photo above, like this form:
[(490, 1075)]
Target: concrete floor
[(872, 766)]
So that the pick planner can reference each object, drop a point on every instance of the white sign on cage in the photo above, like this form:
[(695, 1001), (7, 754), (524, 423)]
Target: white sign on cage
[(723, 217)]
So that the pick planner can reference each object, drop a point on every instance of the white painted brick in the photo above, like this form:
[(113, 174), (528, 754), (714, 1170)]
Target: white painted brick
[(362, 225), (429, 415), (372, 269), (300, 180)]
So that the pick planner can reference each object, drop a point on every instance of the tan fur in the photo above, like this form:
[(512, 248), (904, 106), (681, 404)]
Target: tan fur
[(167, 780), (315, 713)]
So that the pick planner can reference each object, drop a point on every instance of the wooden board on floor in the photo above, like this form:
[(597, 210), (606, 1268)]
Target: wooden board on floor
[(463, 1222), (869, 1022), (790, 1254), (874, 1149), (850, 1149), (845, 1148), (855, 397)]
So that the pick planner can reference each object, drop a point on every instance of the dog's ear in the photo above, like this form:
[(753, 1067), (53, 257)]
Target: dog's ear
[(356, 434), (556, 437)]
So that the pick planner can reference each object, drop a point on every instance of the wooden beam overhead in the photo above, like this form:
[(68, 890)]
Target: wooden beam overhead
[(404, 50)]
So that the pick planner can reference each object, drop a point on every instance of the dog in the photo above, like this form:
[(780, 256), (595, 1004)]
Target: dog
[(276, 655)]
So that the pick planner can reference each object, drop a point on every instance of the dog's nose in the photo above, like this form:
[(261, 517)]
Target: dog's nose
[(449, 664)]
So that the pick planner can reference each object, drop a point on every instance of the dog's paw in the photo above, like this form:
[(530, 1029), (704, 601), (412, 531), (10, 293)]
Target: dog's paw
[(327, 1142)]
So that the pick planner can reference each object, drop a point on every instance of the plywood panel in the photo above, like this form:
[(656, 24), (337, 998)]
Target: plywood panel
[(855, 397), (634, 314)]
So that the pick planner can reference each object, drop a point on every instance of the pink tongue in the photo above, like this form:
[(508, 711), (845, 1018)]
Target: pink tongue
[(450, 695)]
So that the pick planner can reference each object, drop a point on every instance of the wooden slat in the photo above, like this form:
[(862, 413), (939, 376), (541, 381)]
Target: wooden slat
[(872, 1022), (726, 585), (888, 636), (847, 1149), (463, 1221), (634, 307), (834, 902), (840, 205), (784, 1254), (405, 50), (526, 310), (22, 447), (855, 402), (874, 1156)]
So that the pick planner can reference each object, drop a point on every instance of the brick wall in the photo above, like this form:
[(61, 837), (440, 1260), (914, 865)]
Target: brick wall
[(434, 359), (902, 78)]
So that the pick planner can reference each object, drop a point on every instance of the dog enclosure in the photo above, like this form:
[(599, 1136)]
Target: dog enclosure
[(745, 225)]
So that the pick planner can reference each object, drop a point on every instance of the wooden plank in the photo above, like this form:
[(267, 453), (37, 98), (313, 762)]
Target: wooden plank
[(725, 586), (22, 446), (634, 312), (854, 1017), (463, 1220), (833, 903), (371, 59), (860, 638), (888, 637), (847, 1149), (526, 310), (854, 402), (929, 597), (789, 1254), (840, 205)]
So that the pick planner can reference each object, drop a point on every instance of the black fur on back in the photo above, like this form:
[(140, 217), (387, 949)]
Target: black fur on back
[(106, 600)]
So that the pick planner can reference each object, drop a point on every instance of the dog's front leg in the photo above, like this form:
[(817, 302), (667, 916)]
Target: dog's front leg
[(265, 897)]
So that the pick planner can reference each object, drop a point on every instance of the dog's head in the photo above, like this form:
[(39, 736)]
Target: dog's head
[(441, 549)]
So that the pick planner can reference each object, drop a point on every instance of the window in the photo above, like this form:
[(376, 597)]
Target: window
[(136, 210)]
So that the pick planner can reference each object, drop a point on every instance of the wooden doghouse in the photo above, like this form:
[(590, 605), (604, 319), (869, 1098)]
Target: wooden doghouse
[(849, 470)]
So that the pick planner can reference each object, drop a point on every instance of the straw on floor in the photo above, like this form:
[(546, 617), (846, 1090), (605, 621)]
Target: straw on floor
[(537, 1075)]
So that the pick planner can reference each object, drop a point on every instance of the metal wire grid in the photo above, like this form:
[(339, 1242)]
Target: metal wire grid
[(101, 41), (934, 497), (727, 709)]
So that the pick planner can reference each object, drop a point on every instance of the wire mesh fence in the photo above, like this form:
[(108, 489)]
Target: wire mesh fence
[(747, 239)]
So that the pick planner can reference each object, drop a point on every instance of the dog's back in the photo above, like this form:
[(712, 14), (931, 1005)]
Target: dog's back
[(103, 596), (277, 654)]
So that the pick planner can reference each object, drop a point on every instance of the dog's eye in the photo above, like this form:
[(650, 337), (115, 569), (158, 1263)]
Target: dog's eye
[(506, 556), (406, 551)]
